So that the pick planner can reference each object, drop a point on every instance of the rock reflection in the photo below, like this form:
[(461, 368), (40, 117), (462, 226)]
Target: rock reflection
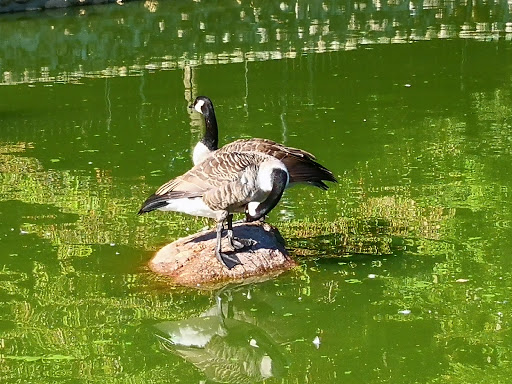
[(225, 348)]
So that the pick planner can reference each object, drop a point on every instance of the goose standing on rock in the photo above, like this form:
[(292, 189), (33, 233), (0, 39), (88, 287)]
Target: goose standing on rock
[(302, 166), (224, 183)]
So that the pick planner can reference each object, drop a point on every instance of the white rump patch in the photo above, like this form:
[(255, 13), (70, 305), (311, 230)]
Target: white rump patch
[(194, 207), (190, 336)]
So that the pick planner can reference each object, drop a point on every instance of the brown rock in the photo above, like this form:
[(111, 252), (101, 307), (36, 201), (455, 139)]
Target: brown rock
[(191, 260)]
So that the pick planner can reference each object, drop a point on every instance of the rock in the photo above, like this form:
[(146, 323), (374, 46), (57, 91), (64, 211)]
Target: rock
[(191, 260)]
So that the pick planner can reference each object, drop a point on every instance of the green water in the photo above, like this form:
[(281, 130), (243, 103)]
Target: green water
[(405, 265)]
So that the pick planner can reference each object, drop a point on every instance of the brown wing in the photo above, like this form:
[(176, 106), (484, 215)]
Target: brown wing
[(217, 180), (233, 195), (269, 147), (302, 166), (218, 169)]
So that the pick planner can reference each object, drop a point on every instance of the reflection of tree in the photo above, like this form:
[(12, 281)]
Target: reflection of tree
[(119, 41), (442, 203)]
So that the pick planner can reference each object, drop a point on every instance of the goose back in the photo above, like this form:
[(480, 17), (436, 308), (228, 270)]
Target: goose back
[(302, 165), (225, 181)]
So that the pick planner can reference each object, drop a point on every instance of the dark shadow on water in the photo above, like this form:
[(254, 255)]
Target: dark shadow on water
[(365, 239), (14, 211), (32, 8), (114, 259)]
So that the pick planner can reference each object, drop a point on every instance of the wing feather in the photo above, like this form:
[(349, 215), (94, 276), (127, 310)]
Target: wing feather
[(265, 146), (217, 180), (302, 165)]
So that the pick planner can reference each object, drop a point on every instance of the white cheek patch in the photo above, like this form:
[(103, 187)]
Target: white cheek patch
[(199, 105), (266, 367), (251, 208)]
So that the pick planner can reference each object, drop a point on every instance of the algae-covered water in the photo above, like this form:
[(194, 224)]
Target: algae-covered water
[(405, 264)]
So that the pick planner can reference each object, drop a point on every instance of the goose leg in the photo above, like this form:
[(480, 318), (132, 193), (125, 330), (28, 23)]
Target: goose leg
[(236, 242), (230, 261)]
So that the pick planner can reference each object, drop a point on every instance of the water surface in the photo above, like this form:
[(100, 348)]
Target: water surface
[(404, 265)]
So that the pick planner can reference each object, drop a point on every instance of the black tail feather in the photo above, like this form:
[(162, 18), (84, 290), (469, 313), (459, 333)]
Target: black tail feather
[(308, 171), (153, 202)]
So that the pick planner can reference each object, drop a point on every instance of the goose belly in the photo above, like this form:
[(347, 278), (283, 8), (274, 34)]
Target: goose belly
[(191, 206)]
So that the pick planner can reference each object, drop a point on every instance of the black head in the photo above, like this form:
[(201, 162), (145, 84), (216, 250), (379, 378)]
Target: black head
[(202, 104)]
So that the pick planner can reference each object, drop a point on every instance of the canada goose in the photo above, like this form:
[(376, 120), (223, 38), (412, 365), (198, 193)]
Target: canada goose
[(302, 166), (224, 183)]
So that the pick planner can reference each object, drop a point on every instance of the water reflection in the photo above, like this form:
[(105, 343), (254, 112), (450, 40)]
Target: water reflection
[(66, 46), (419, 135), (223, 344)]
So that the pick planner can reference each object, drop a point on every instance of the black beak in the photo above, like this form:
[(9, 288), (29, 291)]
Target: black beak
[(191, 106)]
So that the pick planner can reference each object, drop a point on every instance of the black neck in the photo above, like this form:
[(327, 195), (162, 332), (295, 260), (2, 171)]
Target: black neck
[(279, 181), (211, 133)]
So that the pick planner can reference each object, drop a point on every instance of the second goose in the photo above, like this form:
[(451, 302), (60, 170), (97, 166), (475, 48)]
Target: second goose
[(302, 166)]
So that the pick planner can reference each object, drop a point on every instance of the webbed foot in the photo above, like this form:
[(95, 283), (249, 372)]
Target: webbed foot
[(229, 261), (239, 244)]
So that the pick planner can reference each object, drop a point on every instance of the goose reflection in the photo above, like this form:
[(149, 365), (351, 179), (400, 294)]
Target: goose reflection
[(227, 350)]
